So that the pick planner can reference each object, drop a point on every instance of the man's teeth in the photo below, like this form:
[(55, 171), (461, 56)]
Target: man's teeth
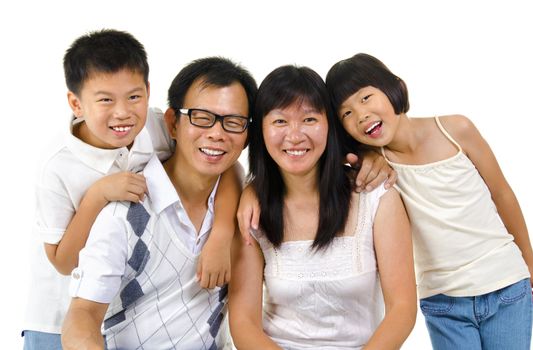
[(212, 152), (296, 152), (372, 127), (121, 128)]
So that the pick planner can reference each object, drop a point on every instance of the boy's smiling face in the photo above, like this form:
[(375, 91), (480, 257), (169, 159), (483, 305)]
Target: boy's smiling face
[(114, 107)]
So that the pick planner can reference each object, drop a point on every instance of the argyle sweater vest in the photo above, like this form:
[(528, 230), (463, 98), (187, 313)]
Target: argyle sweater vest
[(160, 304)]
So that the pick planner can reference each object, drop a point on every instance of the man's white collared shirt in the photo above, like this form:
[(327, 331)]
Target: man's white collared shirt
[(136, 260)]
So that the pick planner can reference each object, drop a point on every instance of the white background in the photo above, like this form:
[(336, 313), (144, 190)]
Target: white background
[(456, 57)]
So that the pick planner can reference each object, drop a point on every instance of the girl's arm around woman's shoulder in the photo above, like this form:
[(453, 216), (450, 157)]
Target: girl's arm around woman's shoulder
[(394, 254), (246, 296)]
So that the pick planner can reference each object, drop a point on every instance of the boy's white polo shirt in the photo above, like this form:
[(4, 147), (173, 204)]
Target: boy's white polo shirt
[(70, 170)]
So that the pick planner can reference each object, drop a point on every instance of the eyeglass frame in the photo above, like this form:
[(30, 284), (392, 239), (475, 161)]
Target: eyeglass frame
[(218, 117)]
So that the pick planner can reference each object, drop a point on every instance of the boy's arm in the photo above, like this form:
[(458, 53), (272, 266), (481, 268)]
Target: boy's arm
[(248, 213), (214, 265), (481, 155), (81, 327), (116, 187)]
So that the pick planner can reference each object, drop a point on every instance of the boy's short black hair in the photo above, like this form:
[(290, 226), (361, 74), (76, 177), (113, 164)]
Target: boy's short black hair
[(105, 51), (348, 76), (214, 71)]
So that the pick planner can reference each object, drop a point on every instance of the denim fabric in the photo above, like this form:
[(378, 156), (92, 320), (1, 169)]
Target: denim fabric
[(494, 321), (34, 340)]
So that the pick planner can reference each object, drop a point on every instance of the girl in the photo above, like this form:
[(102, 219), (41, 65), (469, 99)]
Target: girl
[(320, 245), (472, 268)]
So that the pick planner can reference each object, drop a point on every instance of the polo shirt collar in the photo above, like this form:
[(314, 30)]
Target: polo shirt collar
[(101, 159), (161, 190)]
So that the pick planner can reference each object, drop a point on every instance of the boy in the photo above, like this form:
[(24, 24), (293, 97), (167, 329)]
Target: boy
[(107, 77), (136, 273)]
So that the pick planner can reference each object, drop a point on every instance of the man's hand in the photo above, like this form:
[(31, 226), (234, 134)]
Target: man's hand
[(214, 265), (374, 171)]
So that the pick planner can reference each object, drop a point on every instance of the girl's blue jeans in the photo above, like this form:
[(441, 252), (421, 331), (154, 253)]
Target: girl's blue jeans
[(34, 340), (494, 321)]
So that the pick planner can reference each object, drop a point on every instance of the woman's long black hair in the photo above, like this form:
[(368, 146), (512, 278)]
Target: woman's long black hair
[(280, 89)]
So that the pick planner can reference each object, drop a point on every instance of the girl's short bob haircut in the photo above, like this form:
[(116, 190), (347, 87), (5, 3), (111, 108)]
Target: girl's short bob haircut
[(348, 76)]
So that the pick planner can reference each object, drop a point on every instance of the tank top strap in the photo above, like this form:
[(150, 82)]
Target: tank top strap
[(448, 136), (383, 153)]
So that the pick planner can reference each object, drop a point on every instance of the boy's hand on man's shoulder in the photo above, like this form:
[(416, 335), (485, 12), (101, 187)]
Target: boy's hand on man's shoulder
[(123, 186), (214, 264)]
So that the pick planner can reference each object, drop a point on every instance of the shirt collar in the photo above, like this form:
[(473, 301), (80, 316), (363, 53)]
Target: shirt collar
[(101, 159), (161, 190)]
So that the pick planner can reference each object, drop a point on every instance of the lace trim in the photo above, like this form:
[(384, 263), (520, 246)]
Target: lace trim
[(296, 260)]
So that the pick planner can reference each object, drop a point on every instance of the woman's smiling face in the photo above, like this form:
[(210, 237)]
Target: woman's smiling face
[(296, 137)]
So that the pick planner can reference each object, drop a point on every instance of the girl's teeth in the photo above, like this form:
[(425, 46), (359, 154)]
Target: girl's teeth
[(367, 131), (211, 152), (296, 153)]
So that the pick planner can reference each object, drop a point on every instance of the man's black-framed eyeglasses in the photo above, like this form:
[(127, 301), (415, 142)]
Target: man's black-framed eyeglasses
[(206, 119)]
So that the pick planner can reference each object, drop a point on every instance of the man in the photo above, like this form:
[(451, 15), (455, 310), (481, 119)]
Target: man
[(137, 273)]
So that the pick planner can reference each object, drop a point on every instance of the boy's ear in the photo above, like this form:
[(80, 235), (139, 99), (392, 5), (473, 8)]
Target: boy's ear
[(75, 104), (170, 121), (148, 89)]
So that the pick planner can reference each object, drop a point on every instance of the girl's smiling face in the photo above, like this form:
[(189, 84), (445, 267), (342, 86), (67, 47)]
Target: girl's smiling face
[(368, 116)]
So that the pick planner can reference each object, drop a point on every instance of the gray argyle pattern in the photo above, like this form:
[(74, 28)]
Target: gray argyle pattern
[(160, 305)]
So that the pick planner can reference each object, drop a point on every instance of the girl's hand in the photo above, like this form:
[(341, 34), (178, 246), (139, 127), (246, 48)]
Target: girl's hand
[(374, 170)]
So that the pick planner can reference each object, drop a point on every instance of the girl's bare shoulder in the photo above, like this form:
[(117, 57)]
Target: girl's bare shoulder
[(456, 121), (458, 125)]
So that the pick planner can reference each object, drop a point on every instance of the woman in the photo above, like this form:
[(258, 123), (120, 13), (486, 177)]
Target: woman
[(320, 245)]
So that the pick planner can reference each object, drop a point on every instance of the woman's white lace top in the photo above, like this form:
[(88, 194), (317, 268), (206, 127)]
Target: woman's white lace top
[(327, 299)]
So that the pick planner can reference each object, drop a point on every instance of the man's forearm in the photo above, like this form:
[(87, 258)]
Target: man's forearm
[(81, 330)]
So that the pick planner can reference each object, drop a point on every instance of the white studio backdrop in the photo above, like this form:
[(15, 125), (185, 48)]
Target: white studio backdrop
[(456, 57)]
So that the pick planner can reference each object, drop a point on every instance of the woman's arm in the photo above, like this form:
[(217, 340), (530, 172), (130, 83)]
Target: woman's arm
[(246, 297), (394, 253)]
